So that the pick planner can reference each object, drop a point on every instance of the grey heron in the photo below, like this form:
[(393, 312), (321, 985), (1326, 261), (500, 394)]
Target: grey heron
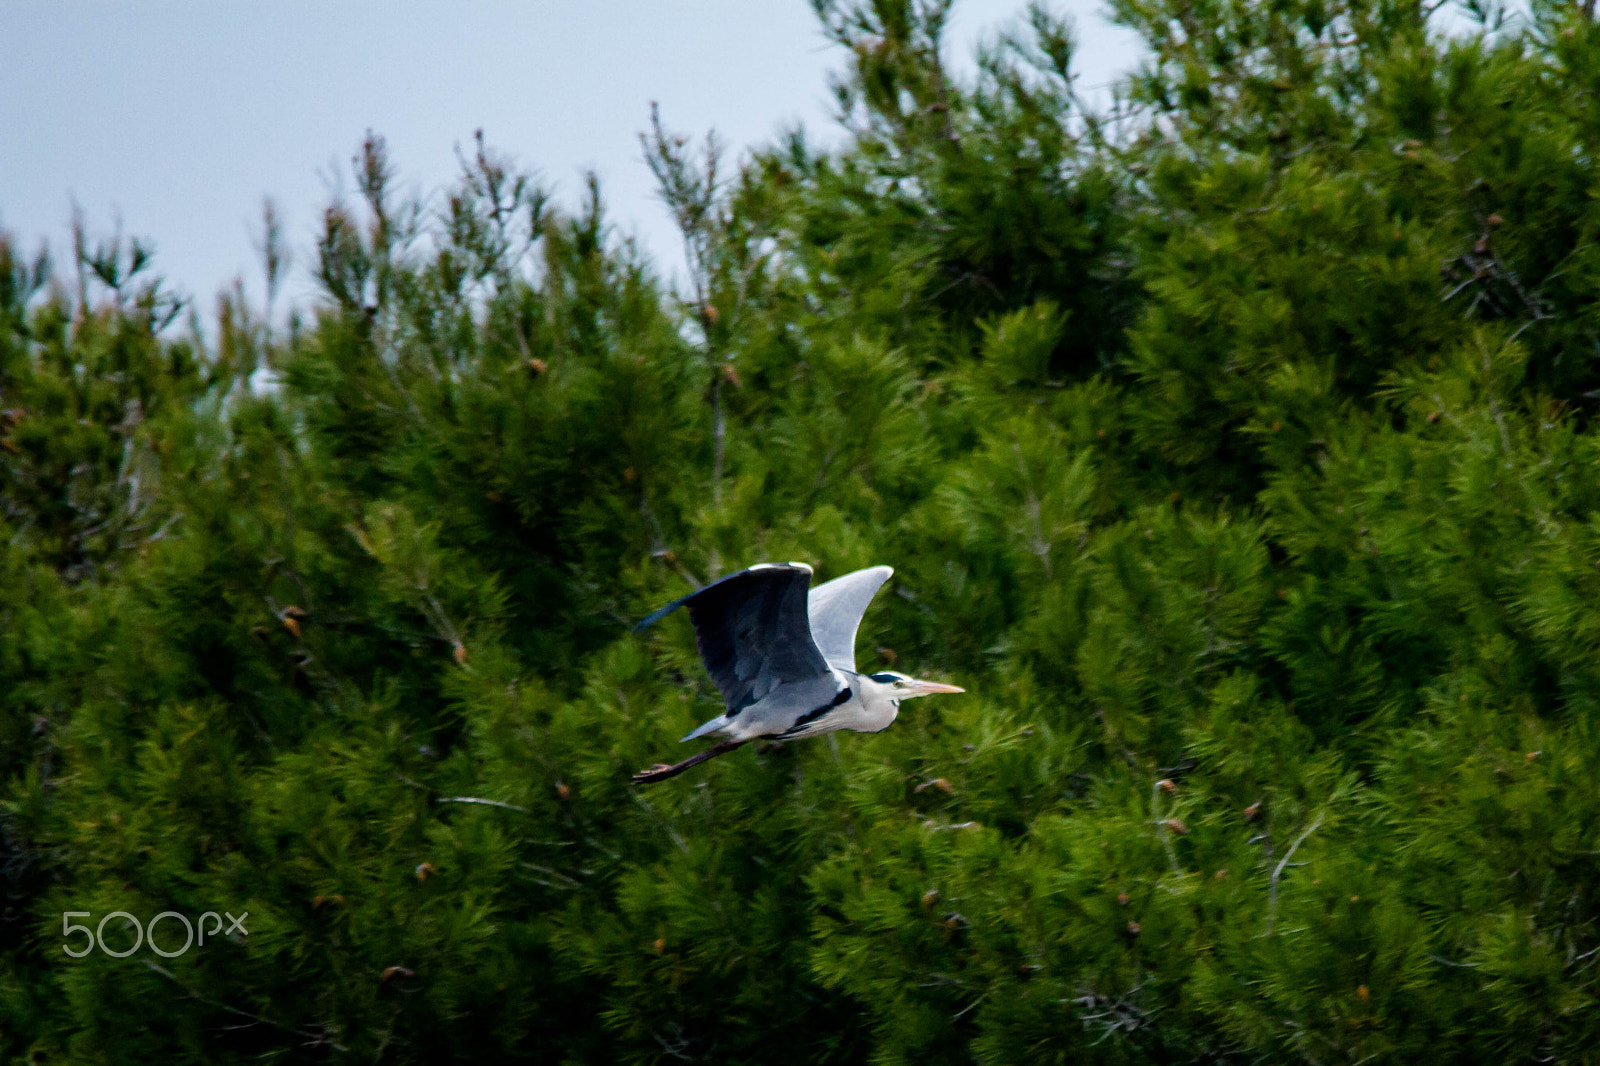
[(784, 658)]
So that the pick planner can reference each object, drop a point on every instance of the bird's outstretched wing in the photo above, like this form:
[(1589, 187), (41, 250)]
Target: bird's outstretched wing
[(836, 608), (753, 631)]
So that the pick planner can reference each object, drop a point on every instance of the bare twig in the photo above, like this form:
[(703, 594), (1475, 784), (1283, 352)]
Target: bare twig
[(484, 802), (1448, 962), (1122, 1014), (671, 559), (1277, 872)]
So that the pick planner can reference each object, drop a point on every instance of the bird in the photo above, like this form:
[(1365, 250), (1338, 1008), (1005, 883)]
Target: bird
[(783, 656)]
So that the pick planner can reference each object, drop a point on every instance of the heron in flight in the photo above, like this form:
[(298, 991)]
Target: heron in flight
[(784, 658)]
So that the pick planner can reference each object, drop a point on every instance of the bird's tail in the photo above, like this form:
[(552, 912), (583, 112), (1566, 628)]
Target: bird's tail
[(707, 727)]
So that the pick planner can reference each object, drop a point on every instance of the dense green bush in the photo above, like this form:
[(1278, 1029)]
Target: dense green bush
[(1234, 448)]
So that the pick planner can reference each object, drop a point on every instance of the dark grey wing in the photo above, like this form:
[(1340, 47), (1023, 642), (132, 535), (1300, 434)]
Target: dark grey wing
[(753, 631), (835, 610)]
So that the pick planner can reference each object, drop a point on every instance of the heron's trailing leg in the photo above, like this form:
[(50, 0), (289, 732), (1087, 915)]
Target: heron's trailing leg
[(662, 771)]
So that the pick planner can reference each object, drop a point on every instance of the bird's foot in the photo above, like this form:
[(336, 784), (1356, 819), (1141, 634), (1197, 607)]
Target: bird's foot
[(661, 771)]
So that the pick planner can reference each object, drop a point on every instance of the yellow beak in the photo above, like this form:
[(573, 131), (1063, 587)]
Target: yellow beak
[(928, 688)]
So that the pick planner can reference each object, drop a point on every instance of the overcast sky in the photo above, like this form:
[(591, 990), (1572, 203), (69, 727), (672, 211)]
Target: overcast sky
[(178, 117)]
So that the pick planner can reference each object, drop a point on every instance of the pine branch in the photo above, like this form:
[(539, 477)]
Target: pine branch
[(314, 1038)]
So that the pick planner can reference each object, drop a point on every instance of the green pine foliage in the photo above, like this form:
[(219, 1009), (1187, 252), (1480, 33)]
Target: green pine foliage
[(1234, 447)]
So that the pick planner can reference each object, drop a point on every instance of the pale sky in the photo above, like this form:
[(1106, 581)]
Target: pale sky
[(178, 117)]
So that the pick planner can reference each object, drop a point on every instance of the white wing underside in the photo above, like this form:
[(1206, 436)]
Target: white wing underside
[(835, 610)]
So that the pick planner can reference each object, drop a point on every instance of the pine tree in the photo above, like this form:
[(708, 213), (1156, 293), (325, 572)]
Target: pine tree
[(1233, 447)]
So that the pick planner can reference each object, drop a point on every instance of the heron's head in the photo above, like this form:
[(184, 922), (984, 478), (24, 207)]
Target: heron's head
[(896, 687)]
